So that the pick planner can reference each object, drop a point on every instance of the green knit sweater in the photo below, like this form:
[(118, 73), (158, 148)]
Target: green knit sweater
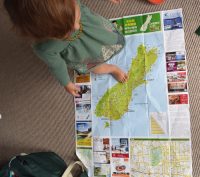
[(98, 42)]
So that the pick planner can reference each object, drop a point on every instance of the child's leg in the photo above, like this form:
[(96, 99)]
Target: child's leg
[(116, 72)]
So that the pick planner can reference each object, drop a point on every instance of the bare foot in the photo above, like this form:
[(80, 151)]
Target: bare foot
[(118, 74)]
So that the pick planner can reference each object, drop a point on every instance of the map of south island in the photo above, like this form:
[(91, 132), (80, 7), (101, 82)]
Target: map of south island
[(115, 101), (125, 109)]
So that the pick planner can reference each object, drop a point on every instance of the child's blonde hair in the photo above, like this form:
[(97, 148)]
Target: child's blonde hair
[(42, 19)]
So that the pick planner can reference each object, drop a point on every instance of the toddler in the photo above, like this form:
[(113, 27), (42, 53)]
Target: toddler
[(66, 35)]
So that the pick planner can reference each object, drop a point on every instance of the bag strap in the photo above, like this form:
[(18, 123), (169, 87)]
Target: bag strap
[(13, 158), (68, 173), (11, 173)]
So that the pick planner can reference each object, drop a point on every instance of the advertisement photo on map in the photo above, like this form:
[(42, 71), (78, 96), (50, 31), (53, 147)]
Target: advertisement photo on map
[(176, 66), (120, 167), (173, 20), (83, 111), (101, 148), (102, 170), (84, 133), (175, 56), (82, 78), (176, 77), (177, 87), (85, 93), (101, 157), (178, 99), (120, 147)]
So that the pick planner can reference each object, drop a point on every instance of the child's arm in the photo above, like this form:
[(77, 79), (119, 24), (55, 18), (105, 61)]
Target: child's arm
[(58, 67)]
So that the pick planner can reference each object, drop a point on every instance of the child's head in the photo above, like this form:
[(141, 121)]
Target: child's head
[(42, 19)]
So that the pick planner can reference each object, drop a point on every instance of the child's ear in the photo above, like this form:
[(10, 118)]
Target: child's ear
[(77, 26)]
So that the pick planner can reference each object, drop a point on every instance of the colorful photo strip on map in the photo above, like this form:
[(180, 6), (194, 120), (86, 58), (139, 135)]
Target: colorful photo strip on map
[(140, 128)]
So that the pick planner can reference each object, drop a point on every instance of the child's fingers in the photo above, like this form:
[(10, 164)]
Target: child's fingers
[(77, 88), (122, 80), (125, 78), (75, 93)]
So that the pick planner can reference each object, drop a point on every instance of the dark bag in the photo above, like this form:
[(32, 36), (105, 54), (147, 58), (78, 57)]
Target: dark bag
[(41, 164)]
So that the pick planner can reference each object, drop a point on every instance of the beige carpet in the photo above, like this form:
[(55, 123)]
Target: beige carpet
[(37, 114)]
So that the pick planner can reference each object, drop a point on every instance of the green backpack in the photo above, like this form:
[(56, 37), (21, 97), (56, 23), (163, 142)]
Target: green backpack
[(41, 164)]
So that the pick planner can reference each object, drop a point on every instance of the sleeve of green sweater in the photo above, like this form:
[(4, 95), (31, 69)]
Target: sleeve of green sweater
[(51, 56)]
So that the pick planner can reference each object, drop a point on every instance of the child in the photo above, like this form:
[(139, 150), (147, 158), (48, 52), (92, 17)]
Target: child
[(68, 35)]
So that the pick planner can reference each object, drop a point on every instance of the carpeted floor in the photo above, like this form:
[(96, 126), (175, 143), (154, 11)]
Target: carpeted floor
[(37, 114)]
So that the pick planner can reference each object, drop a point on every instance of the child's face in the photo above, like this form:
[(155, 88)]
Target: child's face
[(77, 17)]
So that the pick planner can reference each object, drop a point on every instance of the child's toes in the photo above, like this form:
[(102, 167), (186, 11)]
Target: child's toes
[(125, 77), (122, 80)]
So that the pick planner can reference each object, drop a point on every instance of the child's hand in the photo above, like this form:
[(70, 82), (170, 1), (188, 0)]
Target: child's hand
[(72, 89), (116, 1)]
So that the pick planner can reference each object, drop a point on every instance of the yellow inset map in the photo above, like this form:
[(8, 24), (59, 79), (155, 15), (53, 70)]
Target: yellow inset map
[(155, 127)]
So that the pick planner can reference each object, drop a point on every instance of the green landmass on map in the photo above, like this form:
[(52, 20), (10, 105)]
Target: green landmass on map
[(114, 103), (106, 124)]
